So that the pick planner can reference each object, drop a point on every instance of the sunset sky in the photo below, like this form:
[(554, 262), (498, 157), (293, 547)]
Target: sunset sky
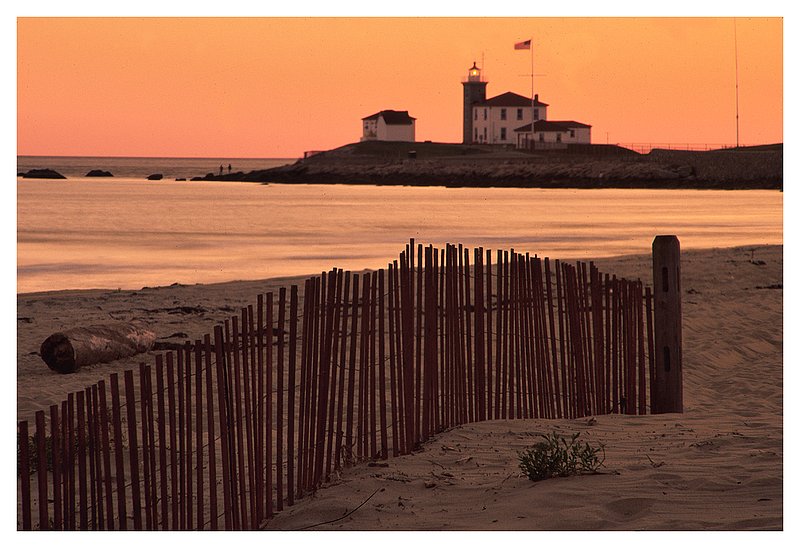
[(275, 87)]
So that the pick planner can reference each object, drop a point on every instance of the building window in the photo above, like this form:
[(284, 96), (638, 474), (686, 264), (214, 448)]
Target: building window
[(558, 137), (519, 114), (485, 113), (572, 133), (541, 137), (476, 114), (502, 114), (536, 114), (476, 134), (502, 134), (484, 133)]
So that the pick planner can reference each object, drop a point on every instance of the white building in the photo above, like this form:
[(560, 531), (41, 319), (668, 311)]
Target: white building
[(506, 119), (388, 125), (494, 120), (553, 133)]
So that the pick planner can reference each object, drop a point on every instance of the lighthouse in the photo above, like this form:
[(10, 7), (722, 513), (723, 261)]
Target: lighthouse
[(474, 92)]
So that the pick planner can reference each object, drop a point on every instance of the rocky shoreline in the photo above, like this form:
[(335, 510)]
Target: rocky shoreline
[(751, 168)]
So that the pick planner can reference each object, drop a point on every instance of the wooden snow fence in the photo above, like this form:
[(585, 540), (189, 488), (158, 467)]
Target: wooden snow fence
[(351, 367)]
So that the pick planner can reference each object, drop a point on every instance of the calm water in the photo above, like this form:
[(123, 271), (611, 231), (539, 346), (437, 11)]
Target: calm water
[(140, 168), (129, 233)]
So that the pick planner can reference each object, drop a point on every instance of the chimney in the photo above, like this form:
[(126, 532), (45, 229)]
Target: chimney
[(536, 98)]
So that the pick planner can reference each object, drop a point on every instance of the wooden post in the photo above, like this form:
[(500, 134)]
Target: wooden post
[(667, 301)]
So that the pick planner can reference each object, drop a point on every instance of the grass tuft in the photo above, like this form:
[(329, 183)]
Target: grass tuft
[(558, 456)]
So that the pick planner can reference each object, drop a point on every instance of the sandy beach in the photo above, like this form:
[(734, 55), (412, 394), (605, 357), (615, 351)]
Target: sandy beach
[(716, 466)]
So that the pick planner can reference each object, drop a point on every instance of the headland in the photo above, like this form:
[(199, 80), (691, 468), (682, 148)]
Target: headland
[(577, 166)]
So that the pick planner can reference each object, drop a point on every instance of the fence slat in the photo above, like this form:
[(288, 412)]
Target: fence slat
[(105, 450), (56, 443), (382, 363), (416, 288), (25, 475), (342, 368), (231, 400), (480, 342), (189, 433), (319, 287), (41, 471), (162, 443), (224, 427), (198, 424), (304, 356), (83, 502), (98, 459), (268, 334), (279, 416), (147, 449), (211, 437), (640, 337), (372, 371), (650, 342), (489, 337), (237, 346), (130, 404), (258, 423), (66, 506), (290, 434), (398, 346), (90, 446), (119, 469), (249, 510), (337, 336), (173, 442)]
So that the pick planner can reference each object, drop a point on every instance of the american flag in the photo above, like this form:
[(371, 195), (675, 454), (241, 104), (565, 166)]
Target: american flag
[(523, 45)]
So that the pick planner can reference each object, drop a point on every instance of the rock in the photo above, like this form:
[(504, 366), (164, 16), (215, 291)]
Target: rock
[(99, 173), (155, 177), (42, 174)]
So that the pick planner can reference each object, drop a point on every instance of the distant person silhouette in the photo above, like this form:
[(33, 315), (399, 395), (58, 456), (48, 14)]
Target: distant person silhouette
[(220, 169), (229, 168)]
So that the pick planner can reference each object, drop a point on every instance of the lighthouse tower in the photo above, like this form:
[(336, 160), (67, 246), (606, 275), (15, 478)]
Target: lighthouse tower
[(474, 92)]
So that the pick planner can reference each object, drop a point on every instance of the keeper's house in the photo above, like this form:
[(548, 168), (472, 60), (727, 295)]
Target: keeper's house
[(388, 125), (506, 119)]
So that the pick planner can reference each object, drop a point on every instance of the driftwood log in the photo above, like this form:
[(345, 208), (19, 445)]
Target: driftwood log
[(67, 351)]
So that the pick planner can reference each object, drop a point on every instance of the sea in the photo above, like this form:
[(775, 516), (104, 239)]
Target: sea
[(127, 232)]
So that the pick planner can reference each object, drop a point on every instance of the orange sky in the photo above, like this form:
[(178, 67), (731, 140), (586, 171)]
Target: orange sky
[(274, 87)]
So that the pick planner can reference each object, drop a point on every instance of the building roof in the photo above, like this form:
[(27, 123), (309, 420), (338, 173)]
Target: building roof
[(511, 99), (553, 125), (393, 117)]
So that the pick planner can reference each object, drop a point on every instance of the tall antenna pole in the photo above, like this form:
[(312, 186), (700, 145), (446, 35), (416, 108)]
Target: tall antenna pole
[(736, 61)]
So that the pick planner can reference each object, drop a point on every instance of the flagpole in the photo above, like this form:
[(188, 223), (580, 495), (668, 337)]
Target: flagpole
[(533, 100)]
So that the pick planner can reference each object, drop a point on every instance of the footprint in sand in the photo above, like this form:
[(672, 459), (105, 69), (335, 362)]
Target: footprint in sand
[(630, 508)]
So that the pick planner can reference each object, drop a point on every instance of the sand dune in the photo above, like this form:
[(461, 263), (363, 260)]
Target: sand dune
[(719, 465)]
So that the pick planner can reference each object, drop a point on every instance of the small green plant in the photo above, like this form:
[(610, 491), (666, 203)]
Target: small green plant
[(557, 456)]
